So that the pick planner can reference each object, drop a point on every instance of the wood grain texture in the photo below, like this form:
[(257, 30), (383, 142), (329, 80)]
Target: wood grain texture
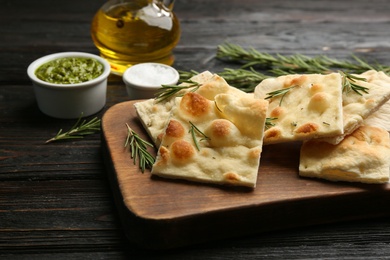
[(163, 213), (55, 199)]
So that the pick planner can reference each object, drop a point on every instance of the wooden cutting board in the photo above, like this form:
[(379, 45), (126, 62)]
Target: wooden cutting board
[(159, 213)]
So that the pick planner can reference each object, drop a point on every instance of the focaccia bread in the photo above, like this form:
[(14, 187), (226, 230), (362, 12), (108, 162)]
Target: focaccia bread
[(381, 117), (363, 156), (357, 107), (308, 106), (213, 141), (154, 115)]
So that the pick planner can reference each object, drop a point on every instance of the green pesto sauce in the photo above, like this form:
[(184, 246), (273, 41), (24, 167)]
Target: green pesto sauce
[(70, 70)]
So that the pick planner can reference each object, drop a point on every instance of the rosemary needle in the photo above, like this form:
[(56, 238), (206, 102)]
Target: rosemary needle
[(78, 130), (279, 92), (187, 75), (193, 130), (269, 123), (138, 149)]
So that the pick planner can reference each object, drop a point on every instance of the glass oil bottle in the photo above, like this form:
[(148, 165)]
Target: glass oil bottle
[(128, 32)]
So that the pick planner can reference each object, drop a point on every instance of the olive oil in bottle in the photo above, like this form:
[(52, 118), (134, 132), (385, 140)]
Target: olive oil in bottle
[(135, 31)]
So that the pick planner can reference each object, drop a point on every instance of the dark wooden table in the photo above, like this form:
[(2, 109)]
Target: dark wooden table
[(55, 199)]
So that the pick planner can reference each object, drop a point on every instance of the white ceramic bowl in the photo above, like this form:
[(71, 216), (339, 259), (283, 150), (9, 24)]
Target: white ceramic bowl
[(143, 80), (69, 101)]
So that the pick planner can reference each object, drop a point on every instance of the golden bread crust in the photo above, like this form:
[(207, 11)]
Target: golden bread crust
[(363, 156), (195, 105)]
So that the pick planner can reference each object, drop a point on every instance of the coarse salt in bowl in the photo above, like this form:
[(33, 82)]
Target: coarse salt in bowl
[(71, 100), (144, 79)]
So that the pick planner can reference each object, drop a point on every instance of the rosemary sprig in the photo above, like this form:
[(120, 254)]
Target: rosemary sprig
[(268, 122), (193, 130), (138, 149), (279, 92), (168, 91), (78, 130), (281, 65), (349, 83)]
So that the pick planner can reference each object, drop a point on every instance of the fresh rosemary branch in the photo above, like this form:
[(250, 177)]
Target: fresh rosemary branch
[(236, 53), (281, 65), (280, 92), (247, 78), (78, 130), (168, 91), (193, 130), (348, 83), (138, 149)]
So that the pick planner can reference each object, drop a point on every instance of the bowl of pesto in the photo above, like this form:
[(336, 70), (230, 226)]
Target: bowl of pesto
[(69, 84)]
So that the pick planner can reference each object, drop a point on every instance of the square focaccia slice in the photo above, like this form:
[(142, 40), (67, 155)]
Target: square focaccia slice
[(363, 156), (154, 114), (358, 107), (217, 142), (302, 107)]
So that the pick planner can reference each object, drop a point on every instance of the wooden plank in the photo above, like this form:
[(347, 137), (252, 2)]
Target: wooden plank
[(160, 213)]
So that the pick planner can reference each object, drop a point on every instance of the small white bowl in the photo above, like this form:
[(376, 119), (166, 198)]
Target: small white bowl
[(143, 80), (69, 101)]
